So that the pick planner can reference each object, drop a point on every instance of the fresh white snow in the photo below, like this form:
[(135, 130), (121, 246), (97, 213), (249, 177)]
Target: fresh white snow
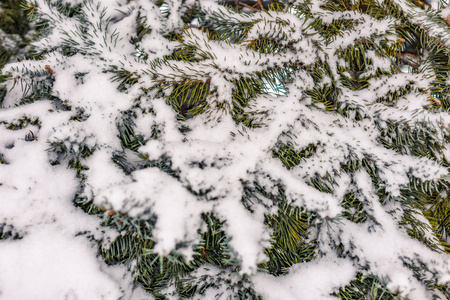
[(57, 255)]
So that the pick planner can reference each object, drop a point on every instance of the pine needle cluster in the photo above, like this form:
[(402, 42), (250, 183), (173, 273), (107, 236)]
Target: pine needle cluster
[(364, 147)]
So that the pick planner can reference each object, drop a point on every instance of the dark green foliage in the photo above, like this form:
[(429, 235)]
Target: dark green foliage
[(290, 157), (14, 25), (8, 232), (366, 287), (127, 136), (12, 18), (354, 208), (189, 98), (292, 240), (421, 272), (220, 23), (439, 216), (3, 160), (417, 140), (290, 244), (380, 185), (156, 273), (23, 122), (246, 89), (393, 96), (122, 250), (14, 37), (72, 153), (36, 85), (125, 78), (431, 199)]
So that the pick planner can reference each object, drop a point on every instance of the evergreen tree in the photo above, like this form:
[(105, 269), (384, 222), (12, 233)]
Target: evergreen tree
[(14, 31), (245, 149)]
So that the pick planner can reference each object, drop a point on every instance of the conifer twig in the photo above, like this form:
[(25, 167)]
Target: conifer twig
[(248, 6), (258, 2)]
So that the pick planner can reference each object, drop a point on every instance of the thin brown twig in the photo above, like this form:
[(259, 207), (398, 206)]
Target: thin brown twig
[(447, 20), (248, 6), (260, 4), (409, 59)]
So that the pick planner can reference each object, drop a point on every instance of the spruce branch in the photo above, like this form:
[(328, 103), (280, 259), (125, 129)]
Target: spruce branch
[(234, 143)]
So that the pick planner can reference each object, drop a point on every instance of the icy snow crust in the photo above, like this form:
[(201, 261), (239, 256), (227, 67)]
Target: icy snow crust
[(55, 260)]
